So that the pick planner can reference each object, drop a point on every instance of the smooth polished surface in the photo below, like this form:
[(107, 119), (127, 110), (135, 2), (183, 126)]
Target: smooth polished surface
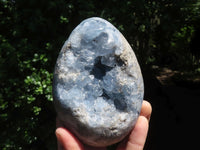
[(98, 86)]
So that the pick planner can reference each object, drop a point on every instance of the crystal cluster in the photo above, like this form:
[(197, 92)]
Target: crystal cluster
[(98, 86)]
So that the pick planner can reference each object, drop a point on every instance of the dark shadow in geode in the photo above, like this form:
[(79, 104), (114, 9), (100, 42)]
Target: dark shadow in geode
[(105, 95), (118, 100), (120, 104), (119, 61), (99, 70)]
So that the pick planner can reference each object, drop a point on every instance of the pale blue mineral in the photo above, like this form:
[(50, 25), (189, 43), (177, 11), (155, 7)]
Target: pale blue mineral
[(98, 86)]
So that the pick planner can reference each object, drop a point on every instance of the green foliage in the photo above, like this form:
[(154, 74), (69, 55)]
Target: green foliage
[(32, 33)]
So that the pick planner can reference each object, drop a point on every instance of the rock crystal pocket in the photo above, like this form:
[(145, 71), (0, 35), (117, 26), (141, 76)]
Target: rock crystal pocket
[(97, 86)]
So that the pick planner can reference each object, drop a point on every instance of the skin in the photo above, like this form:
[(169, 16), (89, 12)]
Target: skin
[(135, 141)]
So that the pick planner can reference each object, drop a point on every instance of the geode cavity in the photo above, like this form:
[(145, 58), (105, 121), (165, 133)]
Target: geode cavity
[(98, 86)]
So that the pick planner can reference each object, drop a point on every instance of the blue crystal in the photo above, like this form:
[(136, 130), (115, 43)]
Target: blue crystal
[(97, 86)]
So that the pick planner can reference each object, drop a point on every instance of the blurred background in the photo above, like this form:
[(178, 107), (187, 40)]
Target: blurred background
[(164, 34)]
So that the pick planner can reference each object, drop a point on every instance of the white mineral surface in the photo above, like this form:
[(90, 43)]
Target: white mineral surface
[(98, 86)]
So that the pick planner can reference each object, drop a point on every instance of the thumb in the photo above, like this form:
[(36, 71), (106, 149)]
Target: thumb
[(66, 140)]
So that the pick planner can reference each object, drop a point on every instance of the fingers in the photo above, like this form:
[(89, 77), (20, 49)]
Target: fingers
[(67, 141), (146, 110), (137, 138)]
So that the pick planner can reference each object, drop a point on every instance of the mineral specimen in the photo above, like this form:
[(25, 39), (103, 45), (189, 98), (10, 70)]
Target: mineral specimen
[(97, 86)]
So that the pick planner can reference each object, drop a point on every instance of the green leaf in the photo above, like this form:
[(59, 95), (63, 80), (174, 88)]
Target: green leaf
[(63, 19), (30, 99), (36, 110)]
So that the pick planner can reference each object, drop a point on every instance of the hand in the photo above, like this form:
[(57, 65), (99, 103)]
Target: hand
[(135, 141)]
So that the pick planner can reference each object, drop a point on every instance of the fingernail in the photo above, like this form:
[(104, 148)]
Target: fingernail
[(57, 133), (60, 147)]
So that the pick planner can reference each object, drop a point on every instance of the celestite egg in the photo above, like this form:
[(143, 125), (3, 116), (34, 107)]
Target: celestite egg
[(97, 87)]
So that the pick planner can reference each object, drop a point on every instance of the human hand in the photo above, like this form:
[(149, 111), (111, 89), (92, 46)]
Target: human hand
[(135, 141)]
